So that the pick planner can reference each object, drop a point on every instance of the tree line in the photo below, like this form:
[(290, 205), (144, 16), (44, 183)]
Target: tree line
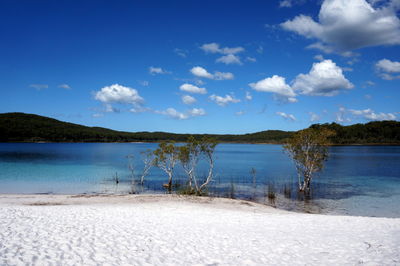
[(21, 127)]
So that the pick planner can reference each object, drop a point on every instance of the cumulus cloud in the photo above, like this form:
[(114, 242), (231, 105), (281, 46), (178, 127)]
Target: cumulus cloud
[(324, 79), (286, 116), (223, 101), (369, 114), (215, 48), (118, 94), (348, 25), (187, 99), (158, 70), (64, 86), (39, 86), (229, 53), (203, 73), (229, 59), (197, 112), (277, 85), (387, 69), (173, 113), (192, 88)]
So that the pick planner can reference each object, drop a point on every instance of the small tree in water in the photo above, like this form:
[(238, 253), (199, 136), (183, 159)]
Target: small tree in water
[(189, 156), (166, 157), (308, 149)]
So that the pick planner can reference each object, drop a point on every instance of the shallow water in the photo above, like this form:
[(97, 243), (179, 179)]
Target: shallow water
[(357, 180)]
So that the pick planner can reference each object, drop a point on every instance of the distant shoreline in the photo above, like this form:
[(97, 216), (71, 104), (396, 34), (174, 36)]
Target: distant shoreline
[(220, 142)]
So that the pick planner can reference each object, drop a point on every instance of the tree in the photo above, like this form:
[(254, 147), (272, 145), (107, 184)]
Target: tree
[(166, 157), (148, 161), (190, 155), (308, 149), (207, 147)]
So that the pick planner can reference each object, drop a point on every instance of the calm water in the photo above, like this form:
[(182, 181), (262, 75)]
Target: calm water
[(357, 180)]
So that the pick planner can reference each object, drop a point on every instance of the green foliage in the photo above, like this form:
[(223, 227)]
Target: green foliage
[(189, 156), (308, 149), (166, 157), (21, 127)]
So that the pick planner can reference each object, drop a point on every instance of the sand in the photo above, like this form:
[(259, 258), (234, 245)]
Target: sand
[(175, 230)]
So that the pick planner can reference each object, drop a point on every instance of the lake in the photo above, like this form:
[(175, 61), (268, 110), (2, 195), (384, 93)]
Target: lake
[(357, 180)]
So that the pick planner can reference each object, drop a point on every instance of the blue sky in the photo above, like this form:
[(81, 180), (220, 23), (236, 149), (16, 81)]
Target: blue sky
[(201, 67)]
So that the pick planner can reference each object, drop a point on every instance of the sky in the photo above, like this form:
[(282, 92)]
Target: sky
[(201, 67)]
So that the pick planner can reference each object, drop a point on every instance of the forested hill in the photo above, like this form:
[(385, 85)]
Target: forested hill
[(20, 127)]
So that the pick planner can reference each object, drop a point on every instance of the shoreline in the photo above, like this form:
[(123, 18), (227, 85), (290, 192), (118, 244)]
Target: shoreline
[(221, 142)]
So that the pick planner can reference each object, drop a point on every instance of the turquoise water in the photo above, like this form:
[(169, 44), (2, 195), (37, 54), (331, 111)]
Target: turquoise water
[(357, 180)]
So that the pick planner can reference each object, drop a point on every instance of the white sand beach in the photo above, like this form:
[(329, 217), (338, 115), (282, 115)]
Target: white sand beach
[(176, 230)]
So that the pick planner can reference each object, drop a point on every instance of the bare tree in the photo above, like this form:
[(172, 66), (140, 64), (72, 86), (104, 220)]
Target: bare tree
[(131, 167), (308, 149), (148, 162), (189, 156), (166, 157), (207, 147)]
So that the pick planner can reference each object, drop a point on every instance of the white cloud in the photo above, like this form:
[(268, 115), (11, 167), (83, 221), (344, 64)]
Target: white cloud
[(187, 99), (119, 94), (64, 86), (192, 88), (319, 57), (369, 114), (223, 75), (341, 116), (276, 85), (286, 116), (349, 25), (248, 96), (158, 70), (324, 79), (203, 73), (223, 101), (388, 66), (240, 113), (197, 112), (314, 117), (285, 3), (39, 86), (229, 59), (214, 48), (251, 59), (172, 113), (387, 69), (210, 48)]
